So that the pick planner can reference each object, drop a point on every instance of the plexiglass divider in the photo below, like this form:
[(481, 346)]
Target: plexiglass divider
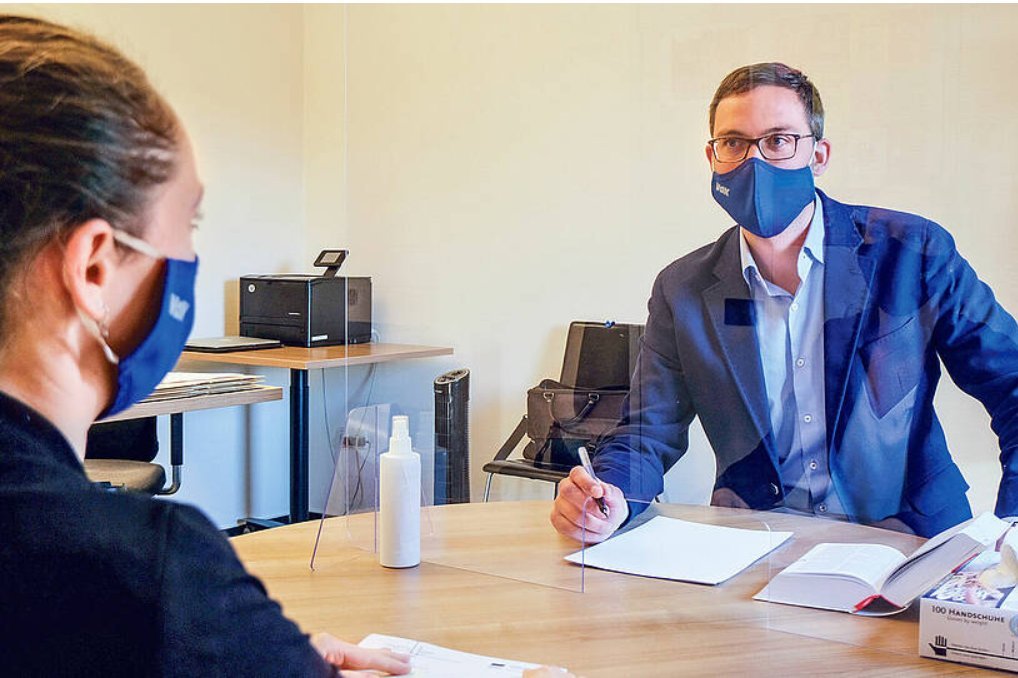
[(875, 625), (510, 540), (693, 564), (670, 557)]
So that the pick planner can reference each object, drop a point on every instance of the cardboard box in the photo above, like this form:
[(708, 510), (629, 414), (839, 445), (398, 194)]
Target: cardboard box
[(971, 617)]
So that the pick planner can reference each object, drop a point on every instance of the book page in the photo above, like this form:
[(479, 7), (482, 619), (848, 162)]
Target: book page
[(868, 563), (983, 529), (433, 661), (941, 555), (668, 548)]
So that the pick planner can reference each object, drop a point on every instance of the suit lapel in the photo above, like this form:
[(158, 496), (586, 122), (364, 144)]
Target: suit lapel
[(848, 277), (731, 310)]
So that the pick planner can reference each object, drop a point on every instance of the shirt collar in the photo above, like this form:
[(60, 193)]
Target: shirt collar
[(813, 245)]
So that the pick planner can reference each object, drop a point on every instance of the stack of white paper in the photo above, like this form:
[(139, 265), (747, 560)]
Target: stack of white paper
[(189, 384)]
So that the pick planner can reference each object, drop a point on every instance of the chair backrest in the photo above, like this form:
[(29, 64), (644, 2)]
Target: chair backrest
[(133, 439), (600, 355)]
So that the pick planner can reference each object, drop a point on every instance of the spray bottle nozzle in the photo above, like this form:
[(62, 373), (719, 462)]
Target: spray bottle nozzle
[(399, 443)]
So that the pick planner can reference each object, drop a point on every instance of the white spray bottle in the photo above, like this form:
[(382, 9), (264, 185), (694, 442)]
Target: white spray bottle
[(399, 505)]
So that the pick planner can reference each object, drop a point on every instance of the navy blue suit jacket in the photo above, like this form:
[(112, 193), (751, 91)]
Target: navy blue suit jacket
[(898, 299)]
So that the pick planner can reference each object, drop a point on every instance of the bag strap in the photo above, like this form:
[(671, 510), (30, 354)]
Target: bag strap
[(592, 399), (512, 441)]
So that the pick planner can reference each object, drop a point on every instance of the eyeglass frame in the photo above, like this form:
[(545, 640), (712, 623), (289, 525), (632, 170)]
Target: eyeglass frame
[(756, 142)]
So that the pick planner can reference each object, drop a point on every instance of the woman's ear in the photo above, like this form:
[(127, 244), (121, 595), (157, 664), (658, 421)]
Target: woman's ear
[(89, 257)]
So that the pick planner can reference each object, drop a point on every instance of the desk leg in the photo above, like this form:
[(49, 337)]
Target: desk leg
[(176, 453), (299, 459)]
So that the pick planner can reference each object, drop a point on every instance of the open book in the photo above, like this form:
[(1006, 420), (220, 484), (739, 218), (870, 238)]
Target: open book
[(874, 579)]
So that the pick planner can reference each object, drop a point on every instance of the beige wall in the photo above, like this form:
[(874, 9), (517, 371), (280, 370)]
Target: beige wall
[(514, 167), (234, 73), (500, 170)]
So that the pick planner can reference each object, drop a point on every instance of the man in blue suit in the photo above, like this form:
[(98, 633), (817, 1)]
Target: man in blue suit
[(808, 340)]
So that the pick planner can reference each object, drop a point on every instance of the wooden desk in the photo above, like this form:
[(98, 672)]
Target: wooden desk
[(299, 360), (620, 626), (176, 407)]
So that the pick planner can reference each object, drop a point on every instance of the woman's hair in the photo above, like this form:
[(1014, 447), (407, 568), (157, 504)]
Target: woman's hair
[(83, 135)]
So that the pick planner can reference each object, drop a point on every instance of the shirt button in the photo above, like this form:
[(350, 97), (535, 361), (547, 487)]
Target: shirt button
[(808, 418), (821, 508), (795, 306), (800, 362), (813, 466)]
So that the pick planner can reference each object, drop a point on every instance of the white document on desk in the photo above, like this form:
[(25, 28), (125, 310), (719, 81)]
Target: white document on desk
[(669, 548), (432, 661)]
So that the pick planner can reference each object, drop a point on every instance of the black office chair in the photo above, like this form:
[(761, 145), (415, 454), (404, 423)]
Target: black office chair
[(597, 355), (119, 455)]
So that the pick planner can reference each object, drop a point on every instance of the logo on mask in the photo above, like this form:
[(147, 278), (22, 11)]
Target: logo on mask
[(178, 308), (723, 190)]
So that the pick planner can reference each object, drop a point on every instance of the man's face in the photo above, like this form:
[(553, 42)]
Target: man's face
[(763, 111)]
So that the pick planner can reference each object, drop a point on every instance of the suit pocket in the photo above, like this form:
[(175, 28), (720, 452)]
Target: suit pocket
[(893, 365)]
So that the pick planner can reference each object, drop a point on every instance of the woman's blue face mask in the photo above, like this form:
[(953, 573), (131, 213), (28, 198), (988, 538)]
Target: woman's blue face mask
[(141, 371)]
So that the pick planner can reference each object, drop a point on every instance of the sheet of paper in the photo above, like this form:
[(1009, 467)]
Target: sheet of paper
[(668, 548), (432, 661)]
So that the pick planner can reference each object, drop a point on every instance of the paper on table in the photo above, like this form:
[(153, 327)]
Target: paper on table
[(186, 384), (668, 548), (432, 661)]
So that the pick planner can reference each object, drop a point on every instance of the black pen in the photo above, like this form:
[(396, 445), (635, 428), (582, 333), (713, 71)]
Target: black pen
[(585, 460)]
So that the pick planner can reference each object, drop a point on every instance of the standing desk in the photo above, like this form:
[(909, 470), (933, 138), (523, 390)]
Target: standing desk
[(299, 360), (176, 407), (475, 592)]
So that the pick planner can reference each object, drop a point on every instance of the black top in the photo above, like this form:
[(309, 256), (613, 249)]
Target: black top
[(105, 584)]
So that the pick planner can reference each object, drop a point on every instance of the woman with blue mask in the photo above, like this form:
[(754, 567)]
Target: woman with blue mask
[(98, 198)]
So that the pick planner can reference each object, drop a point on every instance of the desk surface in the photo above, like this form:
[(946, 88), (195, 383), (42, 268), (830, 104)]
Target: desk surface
[(300, 358), (620, 626), (248, 396)]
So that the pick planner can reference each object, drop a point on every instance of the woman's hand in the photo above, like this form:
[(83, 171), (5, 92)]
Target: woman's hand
[(548, 672), (352, 658)]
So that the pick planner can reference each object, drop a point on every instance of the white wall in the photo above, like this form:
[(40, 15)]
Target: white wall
[(500, 170), (234, 73), (514, 167)]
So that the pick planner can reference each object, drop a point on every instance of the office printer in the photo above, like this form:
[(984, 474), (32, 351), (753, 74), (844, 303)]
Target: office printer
[(308, 310)]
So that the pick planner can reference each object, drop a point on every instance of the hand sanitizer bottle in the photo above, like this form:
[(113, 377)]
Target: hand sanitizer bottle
[(399, 509)]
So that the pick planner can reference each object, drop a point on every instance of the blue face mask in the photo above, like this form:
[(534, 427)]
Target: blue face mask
[(141, 371), (762, 198)]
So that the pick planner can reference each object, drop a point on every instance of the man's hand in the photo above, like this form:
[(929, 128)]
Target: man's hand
[(575, 514), (352, 658)]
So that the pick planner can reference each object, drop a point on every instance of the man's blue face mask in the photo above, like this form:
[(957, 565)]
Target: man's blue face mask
[(141, 371), (762, 198)]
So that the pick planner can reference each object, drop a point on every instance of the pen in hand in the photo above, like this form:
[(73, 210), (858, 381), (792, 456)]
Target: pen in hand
[(585, 461)]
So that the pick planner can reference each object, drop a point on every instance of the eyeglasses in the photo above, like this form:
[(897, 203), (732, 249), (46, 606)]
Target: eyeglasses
[(771, 147)]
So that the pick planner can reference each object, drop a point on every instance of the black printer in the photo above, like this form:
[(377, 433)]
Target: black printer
[(308, 310)]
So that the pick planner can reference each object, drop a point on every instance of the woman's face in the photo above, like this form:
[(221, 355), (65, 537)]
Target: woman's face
[(169, 227), (175, 207)]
